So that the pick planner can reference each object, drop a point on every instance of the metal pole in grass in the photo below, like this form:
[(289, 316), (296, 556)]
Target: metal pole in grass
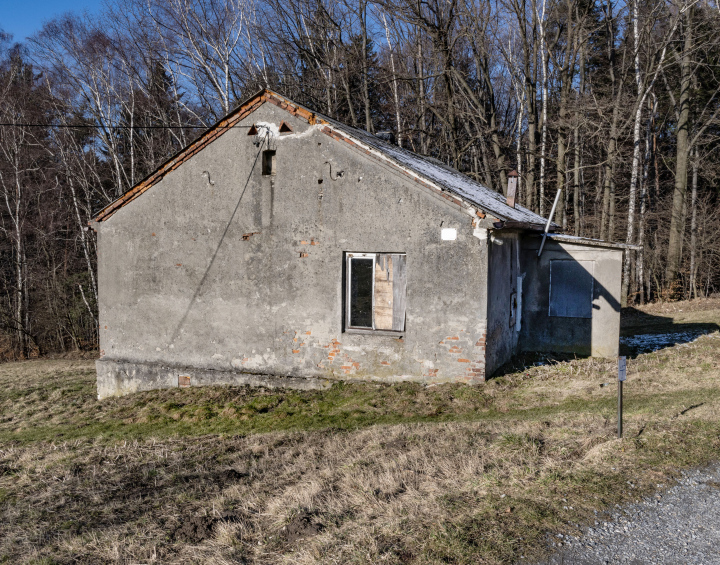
[(622, 373)]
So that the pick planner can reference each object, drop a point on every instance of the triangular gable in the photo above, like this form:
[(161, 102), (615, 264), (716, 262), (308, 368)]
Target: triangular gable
[(449, 183)]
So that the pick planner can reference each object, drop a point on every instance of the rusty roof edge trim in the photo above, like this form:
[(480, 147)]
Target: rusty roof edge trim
[(220, 127), (410, 172), (577, 240)]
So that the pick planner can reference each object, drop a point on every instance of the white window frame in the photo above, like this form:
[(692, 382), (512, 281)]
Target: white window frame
[(349, 257)]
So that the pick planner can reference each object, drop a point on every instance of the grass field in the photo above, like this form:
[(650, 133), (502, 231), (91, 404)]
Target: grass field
[(359, 473)]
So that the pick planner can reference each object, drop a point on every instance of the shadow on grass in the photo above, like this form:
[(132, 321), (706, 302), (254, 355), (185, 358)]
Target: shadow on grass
[(529, 359), (640, 333)]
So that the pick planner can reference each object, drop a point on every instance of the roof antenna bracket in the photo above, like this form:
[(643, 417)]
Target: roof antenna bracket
[(547, 226)]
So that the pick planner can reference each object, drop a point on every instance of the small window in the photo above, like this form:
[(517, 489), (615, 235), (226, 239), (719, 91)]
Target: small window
[(571, 288), (376, 285), (268, 162)]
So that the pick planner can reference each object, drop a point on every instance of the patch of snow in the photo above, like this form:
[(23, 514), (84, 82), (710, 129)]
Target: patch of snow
[(647, 343)]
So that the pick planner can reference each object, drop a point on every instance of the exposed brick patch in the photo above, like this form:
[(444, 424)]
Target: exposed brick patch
[(463, 360), (476, 370), (303, 255)]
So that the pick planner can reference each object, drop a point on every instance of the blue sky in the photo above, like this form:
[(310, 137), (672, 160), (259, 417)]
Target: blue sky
[(24, 17)]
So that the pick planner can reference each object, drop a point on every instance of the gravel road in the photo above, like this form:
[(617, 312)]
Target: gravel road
[(678, 526)]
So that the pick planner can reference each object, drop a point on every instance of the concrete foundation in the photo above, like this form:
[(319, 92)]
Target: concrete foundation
[(117, 378)]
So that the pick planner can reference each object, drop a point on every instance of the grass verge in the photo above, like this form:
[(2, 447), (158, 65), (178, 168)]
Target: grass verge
[(361, 473)]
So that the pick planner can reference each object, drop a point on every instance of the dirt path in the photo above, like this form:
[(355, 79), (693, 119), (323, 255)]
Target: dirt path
[(680, 526)]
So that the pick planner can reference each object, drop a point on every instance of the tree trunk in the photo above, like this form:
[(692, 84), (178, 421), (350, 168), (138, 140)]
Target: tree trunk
[(644, 205), (693, 228), (635, 167), (681, 160), (576, 182), (421, 97)]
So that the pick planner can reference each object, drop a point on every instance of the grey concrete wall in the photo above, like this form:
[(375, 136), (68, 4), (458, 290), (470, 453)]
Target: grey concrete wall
[(597, 336), (180, 287), (504, 265)]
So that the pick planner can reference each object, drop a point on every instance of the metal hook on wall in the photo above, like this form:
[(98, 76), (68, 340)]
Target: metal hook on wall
[(209, 181), (338, 175)]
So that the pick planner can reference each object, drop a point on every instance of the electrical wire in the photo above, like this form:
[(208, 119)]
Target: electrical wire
[(113, 127)]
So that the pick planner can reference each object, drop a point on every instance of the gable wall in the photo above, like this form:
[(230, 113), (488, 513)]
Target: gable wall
[(180, 287)]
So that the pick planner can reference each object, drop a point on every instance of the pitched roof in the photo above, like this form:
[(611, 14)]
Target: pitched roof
[(451, 183)]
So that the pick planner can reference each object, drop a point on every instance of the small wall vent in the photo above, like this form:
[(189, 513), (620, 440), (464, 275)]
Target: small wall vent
[(268, 162)]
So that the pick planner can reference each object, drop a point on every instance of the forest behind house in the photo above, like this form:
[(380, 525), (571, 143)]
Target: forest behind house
[(615, 104)]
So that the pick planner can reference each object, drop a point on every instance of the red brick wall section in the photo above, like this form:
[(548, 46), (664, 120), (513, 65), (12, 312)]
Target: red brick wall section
[(468, 351)]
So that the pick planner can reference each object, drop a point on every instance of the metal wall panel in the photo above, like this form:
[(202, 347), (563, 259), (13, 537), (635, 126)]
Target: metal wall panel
[(571, 288)]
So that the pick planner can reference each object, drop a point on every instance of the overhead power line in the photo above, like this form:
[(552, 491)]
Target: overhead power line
[(113, 127)]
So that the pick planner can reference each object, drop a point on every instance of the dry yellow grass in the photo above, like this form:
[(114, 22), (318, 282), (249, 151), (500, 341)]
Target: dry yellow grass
[(446, 474)]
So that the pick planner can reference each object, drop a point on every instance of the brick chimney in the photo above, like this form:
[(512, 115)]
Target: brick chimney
[(512, 188)]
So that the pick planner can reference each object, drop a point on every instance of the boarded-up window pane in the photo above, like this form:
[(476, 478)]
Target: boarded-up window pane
[(389, 308), (361, 292), (383, 308), (571, 288), (399, 292)]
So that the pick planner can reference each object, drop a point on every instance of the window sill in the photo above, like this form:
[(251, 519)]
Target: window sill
[(374, 332)]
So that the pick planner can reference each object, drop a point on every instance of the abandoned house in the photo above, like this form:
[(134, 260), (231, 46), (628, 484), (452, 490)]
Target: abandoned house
[(282, 248)]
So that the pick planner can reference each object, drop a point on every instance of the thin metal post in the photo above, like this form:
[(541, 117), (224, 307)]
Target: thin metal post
[(622, 375), (620, 409)]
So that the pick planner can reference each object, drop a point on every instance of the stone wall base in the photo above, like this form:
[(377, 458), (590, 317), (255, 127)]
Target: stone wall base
[(118, 378)]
